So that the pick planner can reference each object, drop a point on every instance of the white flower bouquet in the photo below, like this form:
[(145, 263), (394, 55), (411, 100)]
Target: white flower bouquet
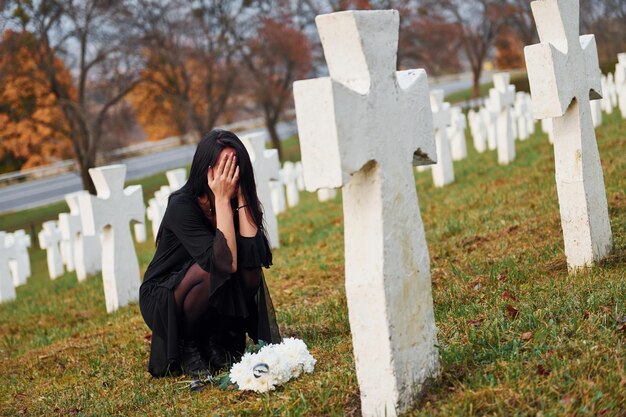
[(271, 366)]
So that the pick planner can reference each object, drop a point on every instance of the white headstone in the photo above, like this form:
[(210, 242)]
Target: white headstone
[(606, 104), (596, 112), (278, 195), (7, 289), (491, 123), (521, 115), (361, 129), (50, 239), (87, 249), (176, 178), (501, 99), (478, 131), (140, 230), (266, 168), (20, 266), (70, 226), (620, 82), (326, 194), (290, 177), (112, 211), (546, 127), (612, 90), (564, 74), (456, 133), (443, 170), (530, 118), (300, 176)]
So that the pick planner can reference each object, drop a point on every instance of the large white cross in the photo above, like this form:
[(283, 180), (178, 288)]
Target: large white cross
[(112, 211), (7, 289), (362, 128), (443, 170), (87, 249), (564, 74), (266, 168), (50, 239), (501, 99)]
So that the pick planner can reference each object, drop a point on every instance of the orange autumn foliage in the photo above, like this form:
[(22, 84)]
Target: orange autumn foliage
[(32, 125)]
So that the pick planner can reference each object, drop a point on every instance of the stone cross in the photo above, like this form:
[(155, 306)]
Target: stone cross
[(606, 104), (20, 266), (546, 127), (300, 176), (7, 288), (362, 128), (491, 123), (278, 195), (596, 112), (326, 194), (443, 170), (620, 82), (70, 226), (112, 211), (87, 249), (478, 129), (530, 119), (564, 74), (456, 133), (266, 168), (502, 98), (290, 177), (50, 239), (521, 115), (176, 178), (140, 230)]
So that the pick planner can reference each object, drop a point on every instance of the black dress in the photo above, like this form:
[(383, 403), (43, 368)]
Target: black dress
[(188, 237)]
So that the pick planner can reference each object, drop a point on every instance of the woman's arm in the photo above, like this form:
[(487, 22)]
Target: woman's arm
[(223, 183), (247, 226)]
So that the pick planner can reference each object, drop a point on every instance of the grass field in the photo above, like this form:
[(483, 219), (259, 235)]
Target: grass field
[(517, 334)]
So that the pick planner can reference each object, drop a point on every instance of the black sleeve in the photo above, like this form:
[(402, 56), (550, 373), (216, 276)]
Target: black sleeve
[(209, 250), (253, 252)]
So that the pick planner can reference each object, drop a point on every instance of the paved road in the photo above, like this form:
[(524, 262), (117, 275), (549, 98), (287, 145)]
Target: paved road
[(52, 189)]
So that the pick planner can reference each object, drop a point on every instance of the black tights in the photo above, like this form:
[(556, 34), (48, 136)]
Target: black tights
[(192, 296)]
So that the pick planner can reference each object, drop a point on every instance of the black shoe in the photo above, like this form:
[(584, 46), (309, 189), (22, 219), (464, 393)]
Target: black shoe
[(218, 357), (192, 362)]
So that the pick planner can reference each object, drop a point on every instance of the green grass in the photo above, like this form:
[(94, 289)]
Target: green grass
[(517, 334)]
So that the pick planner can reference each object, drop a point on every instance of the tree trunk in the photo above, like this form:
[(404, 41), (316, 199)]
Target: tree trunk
[(476, 73), (270, 123), (84, 166)]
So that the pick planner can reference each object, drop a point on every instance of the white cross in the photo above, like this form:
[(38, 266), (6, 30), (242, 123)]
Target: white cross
[(478, 131), (266, 168), (7, 288), (620, 82), (443, 170), (564, 74), (501, 99), (176, 178), (362, 128), (456, 133), (20, 266), (491, 123), (300, 172), (521, 115), (290, 177), (50, 239), (112, 211), (87, 249), (70, 226)]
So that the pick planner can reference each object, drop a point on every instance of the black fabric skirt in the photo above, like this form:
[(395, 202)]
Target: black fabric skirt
[(228, 309)]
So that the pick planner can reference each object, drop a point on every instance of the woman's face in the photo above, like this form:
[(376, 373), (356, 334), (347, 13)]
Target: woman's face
[(223, 154)]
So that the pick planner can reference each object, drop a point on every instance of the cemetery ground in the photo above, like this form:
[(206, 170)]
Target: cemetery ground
[(517, 334)]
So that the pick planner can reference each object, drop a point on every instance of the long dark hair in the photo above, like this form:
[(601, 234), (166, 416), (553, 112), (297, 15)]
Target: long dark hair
[(206, 155)]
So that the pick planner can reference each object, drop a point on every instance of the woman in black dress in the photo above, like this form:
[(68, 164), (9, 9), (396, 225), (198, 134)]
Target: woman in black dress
[(204, 289)]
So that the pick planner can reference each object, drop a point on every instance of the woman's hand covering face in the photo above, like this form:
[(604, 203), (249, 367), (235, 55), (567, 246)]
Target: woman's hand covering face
[(224, 178)]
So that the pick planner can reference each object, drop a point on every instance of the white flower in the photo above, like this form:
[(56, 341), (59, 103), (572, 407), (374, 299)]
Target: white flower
[(284, 361)]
